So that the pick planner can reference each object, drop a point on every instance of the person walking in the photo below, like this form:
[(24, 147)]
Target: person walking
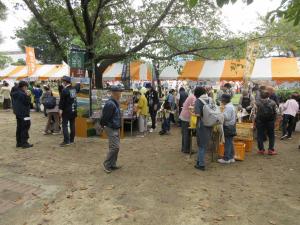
[(21, 107), (68, 111), (153, 102), (51, 105), (229, 128), (203, 132), (111, 121), (181, 97), (290, 110), (5, 92), (185, 117), (142, 113), (265, 122), (172, 103), (37, 94)]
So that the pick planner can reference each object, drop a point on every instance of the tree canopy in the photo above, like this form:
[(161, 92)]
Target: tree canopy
[(288, 10), (114, 30)]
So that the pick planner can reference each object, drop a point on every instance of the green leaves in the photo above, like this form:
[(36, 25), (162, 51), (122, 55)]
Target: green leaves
[(220, 3)]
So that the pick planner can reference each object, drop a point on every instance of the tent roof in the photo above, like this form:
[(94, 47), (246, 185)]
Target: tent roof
[(138, 71), (276, 69), (43, 72)]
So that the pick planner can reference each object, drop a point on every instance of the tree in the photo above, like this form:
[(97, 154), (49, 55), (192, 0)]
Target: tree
[(2, 14), (114, 30), (281, 37), (20, 62), (288, 10)]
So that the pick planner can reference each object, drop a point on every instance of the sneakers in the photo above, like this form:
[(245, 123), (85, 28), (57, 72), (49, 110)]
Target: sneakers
[(27, 145), (289, 138), (232, 160), (107, 170), (63, 144), (151, 130), (272, 152), (199, 167), (284, 137), (261, 152), (222, 161)]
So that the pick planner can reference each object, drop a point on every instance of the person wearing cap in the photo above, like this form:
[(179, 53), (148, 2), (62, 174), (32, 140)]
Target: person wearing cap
[(229, 128), (21, 106), (68, 111), (111, 121)]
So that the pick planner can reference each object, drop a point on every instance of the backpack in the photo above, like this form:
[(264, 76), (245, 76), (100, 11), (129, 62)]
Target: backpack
[(265, 111), (49, 102), (211, 114)]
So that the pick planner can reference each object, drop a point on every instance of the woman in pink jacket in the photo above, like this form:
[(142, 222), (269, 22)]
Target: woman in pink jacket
[(290, 110), (185, 117)]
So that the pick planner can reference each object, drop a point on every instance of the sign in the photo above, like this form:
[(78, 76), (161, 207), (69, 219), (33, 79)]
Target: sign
[(76, 59), (30, 60), (77, 72)]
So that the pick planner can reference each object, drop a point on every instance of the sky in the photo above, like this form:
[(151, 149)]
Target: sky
[(238, 18)]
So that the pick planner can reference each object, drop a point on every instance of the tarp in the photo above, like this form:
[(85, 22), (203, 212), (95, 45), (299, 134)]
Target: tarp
[(43, 72), (138, 72), (271, 69)]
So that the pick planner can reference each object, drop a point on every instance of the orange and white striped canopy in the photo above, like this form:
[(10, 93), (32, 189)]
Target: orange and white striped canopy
[(138, 72), (273, 69), (43, 72)]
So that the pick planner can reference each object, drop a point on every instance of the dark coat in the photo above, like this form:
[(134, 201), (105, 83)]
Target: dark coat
[(21, 103)]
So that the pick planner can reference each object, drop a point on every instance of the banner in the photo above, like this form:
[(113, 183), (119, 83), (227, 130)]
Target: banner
[(30, 61), (76, 59)]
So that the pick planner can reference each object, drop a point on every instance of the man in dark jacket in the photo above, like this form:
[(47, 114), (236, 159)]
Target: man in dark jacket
[(265, 122), (153, 102), (68, 111), (21, 107), (111, 121)]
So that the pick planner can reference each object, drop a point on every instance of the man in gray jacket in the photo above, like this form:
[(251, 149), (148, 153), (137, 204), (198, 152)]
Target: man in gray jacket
[(111, 121)]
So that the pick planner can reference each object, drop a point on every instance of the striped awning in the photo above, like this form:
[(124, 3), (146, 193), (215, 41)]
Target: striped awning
[(138, 72), (43, 72), (271, 69)]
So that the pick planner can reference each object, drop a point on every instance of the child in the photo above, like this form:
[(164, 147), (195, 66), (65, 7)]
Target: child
[(165, 111)]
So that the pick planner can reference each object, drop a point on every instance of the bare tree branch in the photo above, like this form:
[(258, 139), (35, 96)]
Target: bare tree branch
[(75, 22)]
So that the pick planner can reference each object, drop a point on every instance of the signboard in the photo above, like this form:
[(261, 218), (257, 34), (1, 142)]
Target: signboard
[(76, 59), (30, 61), (77, 72)]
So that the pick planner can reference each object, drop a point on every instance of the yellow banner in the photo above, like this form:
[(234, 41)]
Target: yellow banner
[(30, 61)]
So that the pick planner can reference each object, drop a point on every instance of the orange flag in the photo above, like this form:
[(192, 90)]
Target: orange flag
[(30, 60)]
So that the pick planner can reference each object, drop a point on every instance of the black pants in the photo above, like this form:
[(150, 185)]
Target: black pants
[(153, 114), (288, 124), (6, 104), (264, 127), (22, 134), (68, 137)]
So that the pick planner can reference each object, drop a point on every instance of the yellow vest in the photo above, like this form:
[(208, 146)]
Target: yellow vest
[(143, 105)]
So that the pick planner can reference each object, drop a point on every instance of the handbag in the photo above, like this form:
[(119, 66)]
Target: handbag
[(230, 131)]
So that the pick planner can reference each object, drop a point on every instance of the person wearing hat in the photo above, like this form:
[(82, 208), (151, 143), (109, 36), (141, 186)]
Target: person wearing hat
[(111, 121), (21, 106), (229, 128), (68, 111)]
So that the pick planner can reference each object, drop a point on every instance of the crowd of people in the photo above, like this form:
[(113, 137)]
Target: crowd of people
[(259, 105)]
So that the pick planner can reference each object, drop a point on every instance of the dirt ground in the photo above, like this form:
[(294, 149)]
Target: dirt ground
[(157, 184)]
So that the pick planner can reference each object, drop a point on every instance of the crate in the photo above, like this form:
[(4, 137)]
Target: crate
[(249, 143), (240, 149), (244, 131)]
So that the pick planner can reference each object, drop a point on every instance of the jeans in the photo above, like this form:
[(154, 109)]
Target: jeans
[(68, 137), (172, 118), (37, 105), (228, 148), (203, 137), (264, 127), (153, 114), (22, 134), (186, 137), (165, 126), (288, 125), (113, 147)]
